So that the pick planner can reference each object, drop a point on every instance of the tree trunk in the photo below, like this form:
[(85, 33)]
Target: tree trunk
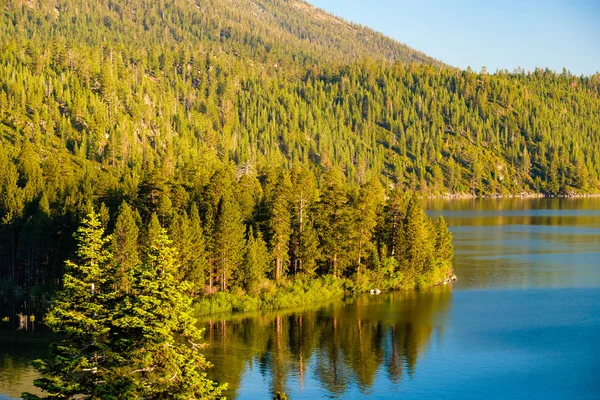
[(335, 265)]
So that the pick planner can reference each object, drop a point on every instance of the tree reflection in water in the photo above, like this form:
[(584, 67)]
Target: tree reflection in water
[(339, 346)]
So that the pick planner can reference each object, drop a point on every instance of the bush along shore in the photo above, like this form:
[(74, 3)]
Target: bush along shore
[(306, 292)]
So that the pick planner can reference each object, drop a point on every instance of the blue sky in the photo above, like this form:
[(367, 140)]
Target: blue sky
[(498, 35)]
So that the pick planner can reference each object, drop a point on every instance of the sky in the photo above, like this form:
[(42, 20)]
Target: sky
[(508, 34)]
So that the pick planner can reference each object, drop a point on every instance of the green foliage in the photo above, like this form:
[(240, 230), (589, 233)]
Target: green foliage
[(80, 314), (156, 338), (256, 261), (229, 240), (416, 257), (333, 222), (280, 225), (193, 257), (275, 296), (138, 343), (443, 242), (125, 245)]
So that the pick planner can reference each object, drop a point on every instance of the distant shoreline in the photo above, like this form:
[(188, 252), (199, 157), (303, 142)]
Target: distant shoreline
[(467, 196)]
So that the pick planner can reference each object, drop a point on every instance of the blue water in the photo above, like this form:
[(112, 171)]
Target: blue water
[(514, 344)]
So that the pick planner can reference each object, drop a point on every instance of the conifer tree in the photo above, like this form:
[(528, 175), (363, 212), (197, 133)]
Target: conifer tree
[(392, 233), (304, 194), (309, 253), (280, 225), (229, 240), (444, 250), (418, 247), (79, 363), (125, 245), (180, 232), (197, 268), (364, 219), (256, 260), (332, 221), (155, 335), (153, 231)]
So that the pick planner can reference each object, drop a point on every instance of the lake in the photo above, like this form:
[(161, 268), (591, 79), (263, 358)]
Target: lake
[(522, 321)]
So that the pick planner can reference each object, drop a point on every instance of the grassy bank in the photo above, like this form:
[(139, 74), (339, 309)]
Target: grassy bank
[(285, 294), (303, 291)]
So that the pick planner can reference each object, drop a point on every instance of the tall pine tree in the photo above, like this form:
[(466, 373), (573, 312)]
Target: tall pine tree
[(229, 240), (79, 363)]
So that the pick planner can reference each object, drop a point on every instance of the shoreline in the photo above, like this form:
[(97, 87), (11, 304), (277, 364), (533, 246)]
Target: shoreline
[(299, 295), (524, 195)]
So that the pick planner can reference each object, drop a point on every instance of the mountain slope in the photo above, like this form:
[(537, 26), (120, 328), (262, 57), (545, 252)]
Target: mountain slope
[(270, 31)]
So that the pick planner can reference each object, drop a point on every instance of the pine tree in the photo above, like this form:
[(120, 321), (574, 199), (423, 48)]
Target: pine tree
[(156, 337), (418, 247), (180, 232), (256, 260), (303, 196), (333, 222), (280, 225), (198, 266), (364, 219), (392, 233), (309, 252), (444, 250), (229, 240), (153, 231), (79, 364), (125, 245)]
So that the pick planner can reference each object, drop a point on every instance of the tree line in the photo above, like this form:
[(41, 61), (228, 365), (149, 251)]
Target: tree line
[(239, 230)]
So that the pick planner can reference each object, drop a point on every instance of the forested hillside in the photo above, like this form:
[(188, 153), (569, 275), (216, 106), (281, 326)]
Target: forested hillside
[(269, 137)]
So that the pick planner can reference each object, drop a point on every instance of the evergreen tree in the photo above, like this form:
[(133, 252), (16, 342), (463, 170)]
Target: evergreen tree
[(153, 231), (304, 194), (280, 225), (191, 248), (198, 266), (155, 335), (364, 219), (256, 261), (180, 232), (333, 222), (444, 250), (79, 364), (392, 233), (125, 245), (229, 240), (142, 344), (418, 244), (309, 253)]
